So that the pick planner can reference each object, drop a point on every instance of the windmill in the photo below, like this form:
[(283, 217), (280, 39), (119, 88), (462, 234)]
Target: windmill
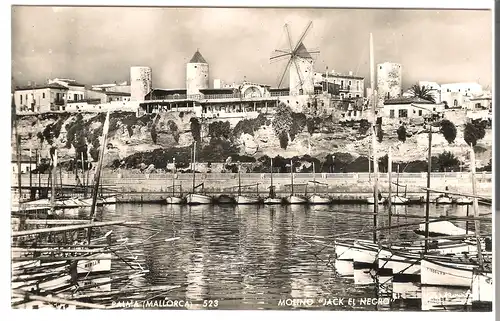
[(299, 59)]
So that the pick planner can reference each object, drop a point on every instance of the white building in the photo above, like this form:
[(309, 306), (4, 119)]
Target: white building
[(389, 81), (44, 98), (197, 74), (76, 91), (116, 87), (410, 107), (457, 94), (141, 82)]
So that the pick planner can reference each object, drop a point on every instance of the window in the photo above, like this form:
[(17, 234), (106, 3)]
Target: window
[(349, 95), (434, 109), (355, 113), (403, 113), (349, 82), (357, 96), (455, 103), (380, 67), (21, 96), (414, 111), (391, 113), (43, 95), (420, 113)]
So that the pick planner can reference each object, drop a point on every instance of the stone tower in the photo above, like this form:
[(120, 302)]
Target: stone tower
[(196, 74), (302, 64), (141, 82), (389, 81)]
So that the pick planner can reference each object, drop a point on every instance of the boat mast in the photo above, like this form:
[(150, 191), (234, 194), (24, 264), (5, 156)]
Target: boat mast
[(314, 178), (53, 182), (194, 164), (291, 174), (97, 178), (374, 140), (173, 178), (397, 183), (477, 223), (239, 179), (427, 204), (389, 169), (83, 177), (31, 182)]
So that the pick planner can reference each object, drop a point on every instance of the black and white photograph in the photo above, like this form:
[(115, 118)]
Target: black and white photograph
[(251, 158)]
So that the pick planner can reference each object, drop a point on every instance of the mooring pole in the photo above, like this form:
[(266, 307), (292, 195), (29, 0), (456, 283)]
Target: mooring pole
[(427, 204)]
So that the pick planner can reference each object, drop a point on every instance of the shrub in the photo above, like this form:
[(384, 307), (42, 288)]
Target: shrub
[(364, 126), (446, 161), (402, 133), (448, 129), (283, 137), (299, 121), (219, 130), (195, 129), (473, 132)]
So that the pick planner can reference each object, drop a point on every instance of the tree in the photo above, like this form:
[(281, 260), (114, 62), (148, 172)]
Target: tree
[(422, 92), (282, 123), (402, 133), (446, 161), (195, 129), (473, 132), (448, 129)]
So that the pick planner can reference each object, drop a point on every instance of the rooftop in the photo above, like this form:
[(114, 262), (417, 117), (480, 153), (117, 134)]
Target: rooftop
[(45, 86), (407, 100), (302, 52), (197, 58)]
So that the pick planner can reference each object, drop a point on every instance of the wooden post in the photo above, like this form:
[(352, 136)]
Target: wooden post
[(374, 141), (427, 204), (477, 223), (389, 169), (194, 165), (53, 182), (31, 182)]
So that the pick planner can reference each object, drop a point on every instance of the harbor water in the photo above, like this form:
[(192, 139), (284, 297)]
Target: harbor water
[(256, 257)]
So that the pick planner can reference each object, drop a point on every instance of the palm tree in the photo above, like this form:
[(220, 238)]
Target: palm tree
[(422, 92)]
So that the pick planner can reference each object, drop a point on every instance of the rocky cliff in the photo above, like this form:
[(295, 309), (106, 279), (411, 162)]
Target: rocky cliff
[(168, 135)]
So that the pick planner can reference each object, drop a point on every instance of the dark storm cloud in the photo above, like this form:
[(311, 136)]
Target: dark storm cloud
[(96, 45)]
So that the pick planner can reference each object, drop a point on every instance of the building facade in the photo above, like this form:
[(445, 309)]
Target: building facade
[(389, 81), (141, 82), (458, 94), (44, 98), (76, 91), (410, 107), (197, 74), (349, 85)]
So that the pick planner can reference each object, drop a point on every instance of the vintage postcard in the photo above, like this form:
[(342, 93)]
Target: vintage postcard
[(212, 158)]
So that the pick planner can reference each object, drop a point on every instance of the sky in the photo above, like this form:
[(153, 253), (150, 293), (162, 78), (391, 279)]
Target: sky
[(99, 44)]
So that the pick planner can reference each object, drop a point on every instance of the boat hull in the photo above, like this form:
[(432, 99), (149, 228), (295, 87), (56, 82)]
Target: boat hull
[(197, 199), (173, 200), (271, 201), (316, 199), (444, 200), (446, 274), (240, 199), (370, 200), (482, 287), (399, 200), (296, 200)]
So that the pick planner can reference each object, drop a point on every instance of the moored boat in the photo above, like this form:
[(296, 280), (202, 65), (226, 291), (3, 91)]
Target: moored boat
[(482, 289), (197, 199), (293, 199), (463, 201), (443, 199), (317, 199), (399, 200), (434, 272), (173, 200), (241, 199), (273, 201), (225, 199)]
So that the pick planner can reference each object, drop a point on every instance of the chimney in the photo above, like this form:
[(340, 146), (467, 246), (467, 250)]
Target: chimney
[(350, 73)]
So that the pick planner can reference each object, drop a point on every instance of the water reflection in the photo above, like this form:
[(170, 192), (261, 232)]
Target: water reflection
[(250, 257)]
